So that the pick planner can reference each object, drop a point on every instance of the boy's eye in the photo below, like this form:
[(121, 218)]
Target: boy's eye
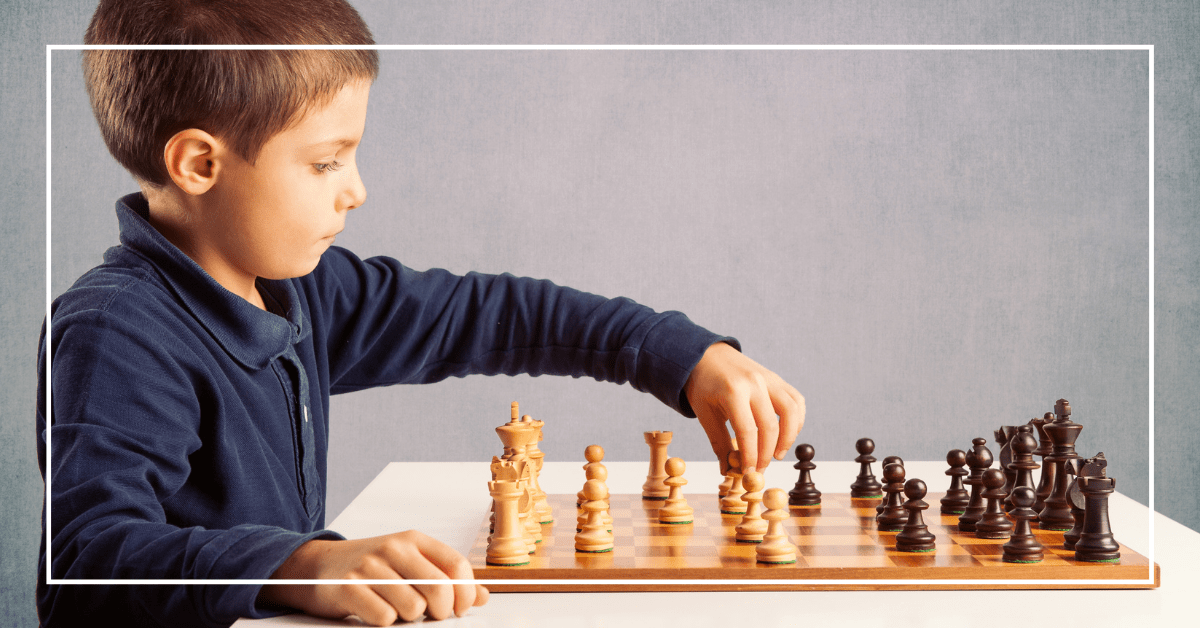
[(327, 167)]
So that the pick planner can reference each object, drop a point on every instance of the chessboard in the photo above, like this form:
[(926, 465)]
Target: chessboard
[(837, 540)]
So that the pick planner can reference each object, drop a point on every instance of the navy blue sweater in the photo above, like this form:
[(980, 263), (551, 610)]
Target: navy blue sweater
[(190, 428)]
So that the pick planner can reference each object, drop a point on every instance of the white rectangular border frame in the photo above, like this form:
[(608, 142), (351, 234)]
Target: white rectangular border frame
[(1150, 555)]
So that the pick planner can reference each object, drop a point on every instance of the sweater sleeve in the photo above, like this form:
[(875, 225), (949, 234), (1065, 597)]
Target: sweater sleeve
[(125, 419), (391, 325)]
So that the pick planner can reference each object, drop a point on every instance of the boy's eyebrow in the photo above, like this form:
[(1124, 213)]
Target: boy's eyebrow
[(334, 143)]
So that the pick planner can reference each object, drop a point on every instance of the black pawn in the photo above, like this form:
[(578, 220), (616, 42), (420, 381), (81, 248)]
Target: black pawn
[(979, 458), (993, 523), (883, 465), (893, 516), (866, 486), (1023, 547), (1096, 544), (1023, 465), (957, 497), (915, 537), (805, 493)]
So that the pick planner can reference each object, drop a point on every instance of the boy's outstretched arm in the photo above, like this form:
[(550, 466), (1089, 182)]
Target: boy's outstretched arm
[(766, 412), (404, 555)]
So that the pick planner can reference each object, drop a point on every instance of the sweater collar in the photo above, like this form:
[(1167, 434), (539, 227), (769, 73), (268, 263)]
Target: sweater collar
[(251, 336)]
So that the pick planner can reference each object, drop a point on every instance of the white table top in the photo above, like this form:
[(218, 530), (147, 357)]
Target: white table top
[(454, 497)]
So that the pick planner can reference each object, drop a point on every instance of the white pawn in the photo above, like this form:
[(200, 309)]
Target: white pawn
[(753, 526), (776, 548), (731, 503), (594, 454), (676, 510), (594, 538), (595, 472)]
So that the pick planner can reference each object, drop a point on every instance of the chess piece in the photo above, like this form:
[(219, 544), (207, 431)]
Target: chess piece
[(540, 506), (993, 523), (1096, 544), (805, 493), (1004, 437), (507, 546), (593, 454), (979, 458), (1044, 448), (1062, 432), (676, 509), (915, 537), (654, 487), (753, 526), (594, 537), (883, 502), (1022, 445), (893, 516), (1023, 546), (1092, 467), (595, 472), (731, 503), (727, 479), (1077, 503), (865, 486), (775, 548), (957, 497)]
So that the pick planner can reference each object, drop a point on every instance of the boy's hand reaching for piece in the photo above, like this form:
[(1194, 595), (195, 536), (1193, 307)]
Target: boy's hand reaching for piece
[(404, 555), (766, 412)]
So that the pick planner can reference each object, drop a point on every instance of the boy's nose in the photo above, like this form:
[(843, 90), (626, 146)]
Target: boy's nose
[(355, 194)]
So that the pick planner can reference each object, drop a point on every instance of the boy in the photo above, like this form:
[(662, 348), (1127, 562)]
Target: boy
[(192, 370)]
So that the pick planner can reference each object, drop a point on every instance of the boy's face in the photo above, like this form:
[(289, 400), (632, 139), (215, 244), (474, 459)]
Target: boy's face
[(276, 217)]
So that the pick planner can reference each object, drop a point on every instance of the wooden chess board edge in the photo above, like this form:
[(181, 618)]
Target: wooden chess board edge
[(762, 581), (517, 587)]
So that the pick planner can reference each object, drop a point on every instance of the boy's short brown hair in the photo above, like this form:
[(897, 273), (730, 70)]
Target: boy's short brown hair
[(143, 97)]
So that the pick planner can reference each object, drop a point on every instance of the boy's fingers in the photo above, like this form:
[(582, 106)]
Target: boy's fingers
[(481, 595), (718, 436), (452, 564), (742, 420), (768, 428), (367, 604), (402, 600), (791, 420)]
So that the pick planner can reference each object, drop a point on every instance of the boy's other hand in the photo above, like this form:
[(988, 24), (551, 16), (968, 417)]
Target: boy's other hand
[(766, 412), (400, 556)]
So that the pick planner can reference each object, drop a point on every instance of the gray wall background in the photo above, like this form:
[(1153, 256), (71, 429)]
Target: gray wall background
[(927, 244)]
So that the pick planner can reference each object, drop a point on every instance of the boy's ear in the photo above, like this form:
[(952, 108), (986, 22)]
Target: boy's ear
[(193, 160)]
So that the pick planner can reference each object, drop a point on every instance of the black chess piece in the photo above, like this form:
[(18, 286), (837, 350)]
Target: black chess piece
[(957, 497), (915, 537), (1044, 448), (993, 523), (1096, 544), (865, 486), (1022, 445), (1023, 546), (1063, 433), (805, 493), (1077, 503), (893, 516), (883, 465), (1092, 467), (979, 458), (1004, 455)]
